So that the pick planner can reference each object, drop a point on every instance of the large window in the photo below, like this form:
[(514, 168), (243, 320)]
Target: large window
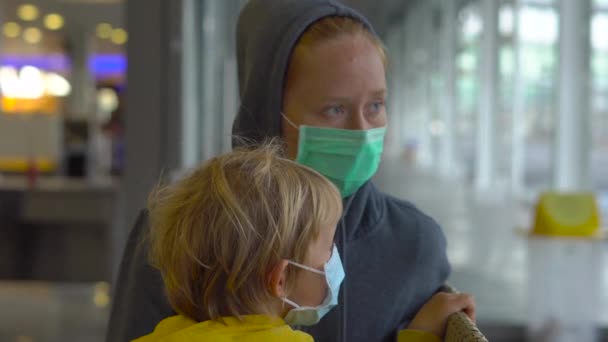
[(467, 84), (538, 36), (211, 90), (538, 33), (599, 97)]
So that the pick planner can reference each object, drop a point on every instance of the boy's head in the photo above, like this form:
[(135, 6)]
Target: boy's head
[(222, 236)]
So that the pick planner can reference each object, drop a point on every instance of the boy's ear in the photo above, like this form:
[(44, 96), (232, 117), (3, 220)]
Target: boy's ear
[(277, 279)]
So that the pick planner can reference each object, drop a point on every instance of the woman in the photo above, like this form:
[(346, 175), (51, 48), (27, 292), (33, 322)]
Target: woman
[(313, 73)]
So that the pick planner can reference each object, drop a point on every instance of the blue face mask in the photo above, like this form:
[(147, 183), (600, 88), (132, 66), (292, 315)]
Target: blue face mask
[(334, 274)]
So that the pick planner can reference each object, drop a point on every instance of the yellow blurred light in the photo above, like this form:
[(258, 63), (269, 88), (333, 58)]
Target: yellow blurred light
[(53, 21), (104, 31), (11, 29), (102, 286), (119, 36), (27, 12), (32, 35), (13, 106), (101, 298)]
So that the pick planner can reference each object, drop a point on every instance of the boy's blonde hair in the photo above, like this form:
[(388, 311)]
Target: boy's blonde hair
[(216, 234)]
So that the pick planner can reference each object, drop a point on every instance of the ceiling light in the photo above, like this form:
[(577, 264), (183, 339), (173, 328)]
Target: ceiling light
[(27, 12), (119, 36), (53, 21), (57, 85), (31, 81), (32, 35), (11, 29), (107, 100), (9, 81), (104, 31)]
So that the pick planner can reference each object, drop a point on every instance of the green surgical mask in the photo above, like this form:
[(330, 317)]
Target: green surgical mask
[(348, 158)]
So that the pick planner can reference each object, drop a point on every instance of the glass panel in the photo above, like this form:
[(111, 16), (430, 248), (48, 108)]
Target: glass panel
[(599, 102), (467, 85), (538, 28), (219, 87)]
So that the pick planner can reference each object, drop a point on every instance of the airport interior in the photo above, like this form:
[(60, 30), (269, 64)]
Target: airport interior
[(497, 129)]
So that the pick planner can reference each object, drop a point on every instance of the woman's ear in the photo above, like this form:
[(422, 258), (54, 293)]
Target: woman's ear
[(277, 279)]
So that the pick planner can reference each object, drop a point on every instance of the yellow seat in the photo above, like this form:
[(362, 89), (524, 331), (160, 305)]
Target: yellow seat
[(567, 214)]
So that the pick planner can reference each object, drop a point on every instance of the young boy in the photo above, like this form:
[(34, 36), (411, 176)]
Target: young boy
[(245, 248)]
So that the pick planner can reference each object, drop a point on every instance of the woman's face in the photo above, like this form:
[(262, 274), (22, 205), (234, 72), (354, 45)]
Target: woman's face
[(338, 83)]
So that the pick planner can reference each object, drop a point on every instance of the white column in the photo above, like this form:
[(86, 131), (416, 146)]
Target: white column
[(573, 141), (486, 121), (428, 65), (392, 144), (448, 97), (210, 115), (81, 104), (419, 33), (230, 89), (400, 93), (152, 120), (230, 101), (409, 123), (190, 98), (518, 133)]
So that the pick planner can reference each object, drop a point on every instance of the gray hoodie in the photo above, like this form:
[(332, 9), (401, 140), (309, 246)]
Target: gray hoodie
[(393, 255)]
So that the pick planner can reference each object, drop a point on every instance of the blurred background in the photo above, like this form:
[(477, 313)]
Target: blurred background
[(491, 103)]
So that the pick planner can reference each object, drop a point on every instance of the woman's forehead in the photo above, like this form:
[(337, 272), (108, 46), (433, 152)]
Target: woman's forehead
[(346, 62)]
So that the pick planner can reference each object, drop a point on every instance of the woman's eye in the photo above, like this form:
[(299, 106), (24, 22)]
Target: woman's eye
[(335, 111), (376, 107)]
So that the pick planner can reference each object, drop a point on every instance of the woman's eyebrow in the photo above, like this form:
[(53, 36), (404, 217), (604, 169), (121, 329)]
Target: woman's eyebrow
[(336, 98), (380, 92)]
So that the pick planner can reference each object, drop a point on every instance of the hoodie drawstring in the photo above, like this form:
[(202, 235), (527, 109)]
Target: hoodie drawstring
[(343, 325)]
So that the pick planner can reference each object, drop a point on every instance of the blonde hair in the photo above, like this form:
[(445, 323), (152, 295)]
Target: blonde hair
[(334, 27), (216, 234)]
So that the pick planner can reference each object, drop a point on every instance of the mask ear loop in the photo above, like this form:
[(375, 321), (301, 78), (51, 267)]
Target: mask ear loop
[(292, 303), (289, 121), (308, 268)]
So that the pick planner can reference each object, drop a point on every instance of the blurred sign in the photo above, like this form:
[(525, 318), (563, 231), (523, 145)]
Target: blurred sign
[(44, 105)]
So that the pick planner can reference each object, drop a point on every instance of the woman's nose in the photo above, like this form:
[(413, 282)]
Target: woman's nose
[(358, 121)]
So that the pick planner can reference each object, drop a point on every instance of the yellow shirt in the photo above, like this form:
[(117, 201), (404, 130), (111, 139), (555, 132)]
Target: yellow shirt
[(416, 336), (252, 328)]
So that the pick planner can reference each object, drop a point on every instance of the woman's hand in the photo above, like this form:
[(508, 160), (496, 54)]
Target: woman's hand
[(433, 316)]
